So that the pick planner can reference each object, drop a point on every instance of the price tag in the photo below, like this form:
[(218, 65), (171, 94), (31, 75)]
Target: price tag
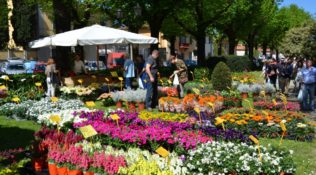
[(54, 99), (80, 81), (120, 78), (212, 106), (169, 81), (93, 76), (90, 104), (114, 74), (162, 152), (219, 120), (114, 117), (88, 131), (107, 80), (254, 139), (197, 110)]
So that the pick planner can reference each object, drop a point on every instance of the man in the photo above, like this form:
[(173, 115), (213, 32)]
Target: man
[(151, 80), (309, 85), (79, 66), (129, 72), (285, 71)]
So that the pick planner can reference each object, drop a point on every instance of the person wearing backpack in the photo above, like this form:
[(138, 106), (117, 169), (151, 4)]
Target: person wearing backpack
[(51, 77)]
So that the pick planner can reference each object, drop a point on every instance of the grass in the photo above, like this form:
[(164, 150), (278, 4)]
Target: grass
[(304, 154), (16, 134)]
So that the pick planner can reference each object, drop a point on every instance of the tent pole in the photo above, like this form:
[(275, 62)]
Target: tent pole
[(131, 51), (98, 67)]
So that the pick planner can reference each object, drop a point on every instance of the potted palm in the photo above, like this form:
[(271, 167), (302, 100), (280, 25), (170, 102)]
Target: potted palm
[(243, 89)]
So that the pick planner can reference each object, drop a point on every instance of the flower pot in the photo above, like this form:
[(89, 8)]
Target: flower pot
[(38, 164), (255, 94), (132, 106), (119, 104), (141, 106), (244, 95), (88, 173), (62, 171), (52, 169), (74, 172)]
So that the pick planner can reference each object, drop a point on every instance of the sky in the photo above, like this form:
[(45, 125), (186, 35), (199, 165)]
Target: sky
[(307, 5)]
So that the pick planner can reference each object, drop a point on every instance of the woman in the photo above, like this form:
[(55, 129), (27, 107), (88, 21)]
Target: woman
[(181, 71), (51, 77), (272, 72)]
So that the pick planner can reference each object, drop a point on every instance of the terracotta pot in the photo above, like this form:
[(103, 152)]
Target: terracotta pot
[(244, 95), (62, 171), (119, 104), (38, 164), (132, 106), (88, 173), (255, 94), (74, 172), (141, 106), (52, 169)]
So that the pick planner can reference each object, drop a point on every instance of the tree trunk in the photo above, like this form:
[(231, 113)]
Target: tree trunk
[(264, 49), (250, 46), (200, 39), (277, 54), (232, 44), (220, 46), (172, 40), (62, 23)]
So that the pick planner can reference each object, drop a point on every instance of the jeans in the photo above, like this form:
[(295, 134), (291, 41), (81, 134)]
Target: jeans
[(152, 93), (309, 97), (128, 83), (50, 88)]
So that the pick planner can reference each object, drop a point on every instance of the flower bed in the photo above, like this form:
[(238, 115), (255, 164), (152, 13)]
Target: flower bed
[(291, 106), (267, 123)]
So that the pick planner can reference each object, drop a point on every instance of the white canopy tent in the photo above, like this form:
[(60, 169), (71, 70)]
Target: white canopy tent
[(93, 35)]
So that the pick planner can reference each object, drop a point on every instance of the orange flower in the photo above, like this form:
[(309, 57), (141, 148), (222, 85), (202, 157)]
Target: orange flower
[(257, 118)]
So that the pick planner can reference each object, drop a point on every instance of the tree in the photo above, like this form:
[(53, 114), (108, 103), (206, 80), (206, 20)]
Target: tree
[(309, 49), (3, 24), (195, 16), (24, 22)]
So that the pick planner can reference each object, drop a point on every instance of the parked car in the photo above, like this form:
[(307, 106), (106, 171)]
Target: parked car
[(13, 66), (92, 65)]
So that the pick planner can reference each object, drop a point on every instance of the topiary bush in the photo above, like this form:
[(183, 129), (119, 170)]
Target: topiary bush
[(221, 77)]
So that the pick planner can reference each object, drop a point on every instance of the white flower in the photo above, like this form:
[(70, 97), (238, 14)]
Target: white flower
[(301, 125)]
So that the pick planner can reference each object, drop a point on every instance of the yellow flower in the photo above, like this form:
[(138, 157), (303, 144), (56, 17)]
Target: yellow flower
[(5, 77), (114, 117), (2, 87), (90, 104), (219, 121), (80, 81), (55, 119), (16, 99), (38, 84), (54, 99)]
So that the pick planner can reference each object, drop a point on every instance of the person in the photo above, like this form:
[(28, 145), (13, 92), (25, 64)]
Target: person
[(309, 85), (151, 68), (285, 71), (129, 72), (79, 67), (181, 71), (272, 72), (297, 74), (50, 72), (264, 70)]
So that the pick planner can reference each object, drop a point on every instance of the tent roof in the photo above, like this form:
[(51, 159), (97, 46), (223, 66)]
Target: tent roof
[(93, 35)]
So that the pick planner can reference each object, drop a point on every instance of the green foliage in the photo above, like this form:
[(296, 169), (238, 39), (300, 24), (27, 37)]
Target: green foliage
[(238, 63), (3, 24), (202, 73), (221, 77), (309, 49)]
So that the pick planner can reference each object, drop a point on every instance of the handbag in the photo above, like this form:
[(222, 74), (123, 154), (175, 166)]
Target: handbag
[(176, 80)]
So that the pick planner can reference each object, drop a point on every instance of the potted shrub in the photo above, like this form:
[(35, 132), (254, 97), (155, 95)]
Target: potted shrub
[(269, 89), (140, 98), (256, 89), (116, 96), (243, 89)]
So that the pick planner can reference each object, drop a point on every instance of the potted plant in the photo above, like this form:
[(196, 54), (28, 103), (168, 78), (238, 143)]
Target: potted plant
[(129, 97), (243, 89), (140, 97), (116, 96), (269, 89), (256, 89)]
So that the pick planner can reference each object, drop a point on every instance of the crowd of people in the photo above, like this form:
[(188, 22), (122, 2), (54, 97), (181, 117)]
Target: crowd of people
[(301, 72)]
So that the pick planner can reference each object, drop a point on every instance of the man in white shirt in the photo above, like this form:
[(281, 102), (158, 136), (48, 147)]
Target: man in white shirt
[(129, 72), (79, 66)]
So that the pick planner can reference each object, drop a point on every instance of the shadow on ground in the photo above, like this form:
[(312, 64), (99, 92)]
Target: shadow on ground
[(14, 137)]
